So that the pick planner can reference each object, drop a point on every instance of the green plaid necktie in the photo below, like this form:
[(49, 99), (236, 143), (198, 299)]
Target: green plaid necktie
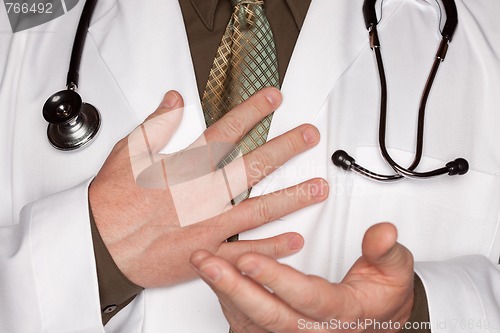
[(245, 63)]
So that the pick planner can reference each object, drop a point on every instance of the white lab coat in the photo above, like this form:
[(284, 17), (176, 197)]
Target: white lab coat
[(137, 50)]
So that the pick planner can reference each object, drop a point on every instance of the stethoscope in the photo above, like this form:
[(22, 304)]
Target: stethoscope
[(74, 124), (459, 166)]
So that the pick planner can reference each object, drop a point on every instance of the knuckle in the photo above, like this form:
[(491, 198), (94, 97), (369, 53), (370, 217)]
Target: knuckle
[(264, 211), (233, 126), (273, 278), (259, 108), (271, 317), (277, 249), (242, 324), (293, 145), (306, 301), (260, 165), (302, 195), (254, 247), (280, 247), (308, 298), (233, 288)]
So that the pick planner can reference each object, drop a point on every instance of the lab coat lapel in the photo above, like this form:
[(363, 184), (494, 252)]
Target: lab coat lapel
[(332, 36), (145, 47)]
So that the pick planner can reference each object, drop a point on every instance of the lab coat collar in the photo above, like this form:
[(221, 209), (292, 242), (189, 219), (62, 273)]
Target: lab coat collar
[(206, 11)]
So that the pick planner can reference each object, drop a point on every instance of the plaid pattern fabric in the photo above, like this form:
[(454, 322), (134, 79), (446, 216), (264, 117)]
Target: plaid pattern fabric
[(245, 63)]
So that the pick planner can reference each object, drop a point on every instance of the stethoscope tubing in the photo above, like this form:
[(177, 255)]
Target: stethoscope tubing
[(457, 167), (78, 44), (401, 171)]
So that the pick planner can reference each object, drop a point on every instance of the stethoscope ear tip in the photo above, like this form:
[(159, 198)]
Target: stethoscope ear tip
[(342, 159), (459, 166)]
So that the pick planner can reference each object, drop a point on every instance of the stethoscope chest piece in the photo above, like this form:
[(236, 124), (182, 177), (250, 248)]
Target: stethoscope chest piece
[(72, 123)]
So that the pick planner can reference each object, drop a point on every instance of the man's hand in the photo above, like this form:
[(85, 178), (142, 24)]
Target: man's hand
[(154, 210), (271, 297)]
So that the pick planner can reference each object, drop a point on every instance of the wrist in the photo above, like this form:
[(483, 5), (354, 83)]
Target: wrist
[(115, 290), (419, 316)]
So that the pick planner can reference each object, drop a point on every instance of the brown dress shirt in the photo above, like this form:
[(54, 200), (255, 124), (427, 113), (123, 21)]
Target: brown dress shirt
[(205, 22)]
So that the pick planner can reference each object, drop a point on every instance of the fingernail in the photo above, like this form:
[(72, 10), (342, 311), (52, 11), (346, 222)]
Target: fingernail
[(273, 95), (310, 135), (270, 98), (318, 189), (296, 243), (249, 268), (170, 99), (211, 272)]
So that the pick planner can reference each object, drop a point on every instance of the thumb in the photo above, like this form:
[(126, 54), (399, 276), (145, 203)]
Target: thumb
[(381, 249), (150, 137), (159, 127)]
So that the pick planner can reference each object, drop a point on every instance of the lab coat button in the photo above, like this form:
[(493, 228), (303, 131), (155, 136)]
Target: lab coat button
[(109, 309)]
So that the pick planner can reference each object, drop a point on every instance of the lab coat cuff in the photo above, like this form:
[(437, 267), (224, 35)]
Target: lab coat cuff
[(463, 294), (63, 262)]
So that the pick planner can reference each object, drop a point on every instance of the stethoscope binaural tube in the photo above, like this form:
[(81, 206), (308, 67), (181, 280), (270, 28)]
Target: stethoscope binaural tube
[(72, 123), (343, 160)]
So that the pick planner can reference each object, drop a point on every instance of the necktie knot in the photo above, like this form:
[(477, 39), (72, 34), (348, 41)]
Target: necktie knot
[(246, 12), (247, 2)]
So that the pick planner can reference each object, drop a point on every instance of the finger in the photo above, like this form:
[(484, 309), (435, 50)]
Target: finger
[(233, 126), (162, 124), (263, 308), (265, 159), (257, 211), (276, 247), (313, 296), (156, 131), (221, 138), (248, 170), (238, 321), (380, 248)]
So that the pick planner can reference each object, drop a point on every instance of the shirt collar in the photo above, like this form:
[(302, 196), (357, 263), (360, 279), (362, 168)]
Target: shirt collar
[(206, 10)]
